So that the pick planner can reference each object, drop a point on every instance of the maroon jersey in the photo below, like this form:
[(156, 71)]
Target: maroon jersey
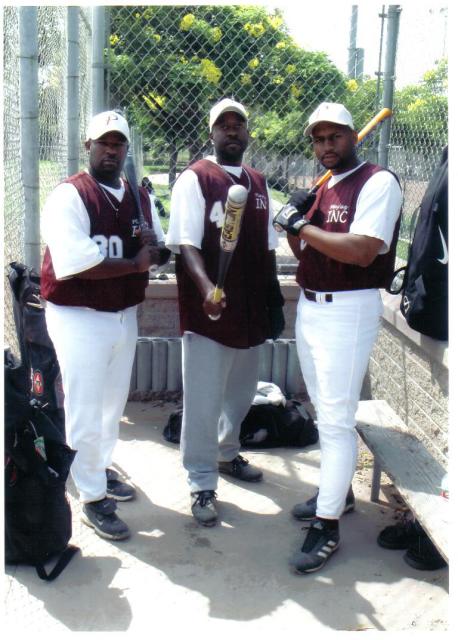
[(244, 322), (320, 273), (115, 230)]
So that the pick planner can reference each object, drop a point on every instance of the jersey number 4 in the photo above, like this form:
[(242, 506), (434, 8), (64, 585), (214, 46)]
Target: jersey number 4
[(110, 247), (217, 214)]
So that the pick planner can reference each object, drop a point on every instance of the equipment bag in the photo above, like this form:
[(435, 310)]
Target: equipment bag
[(423, 282), (265, 426), (35, 346), (38, 519)]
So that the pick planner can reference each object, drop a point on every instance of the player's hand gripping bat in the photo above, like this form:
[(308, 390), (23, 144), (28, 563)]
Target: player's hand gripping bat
[(291, 215), (235, 205), (131, 177)]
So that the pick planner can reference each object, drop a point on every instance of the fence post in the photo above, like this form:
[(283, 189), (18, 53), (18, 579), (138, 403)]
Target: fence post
[(351, 66), (73, 60), (98, 44), (394, 11), (30, 151)]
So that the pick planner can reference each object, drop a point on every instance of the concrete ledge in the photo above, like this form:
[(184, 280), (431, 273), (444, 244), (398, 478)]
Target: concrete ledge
[(437, 350)]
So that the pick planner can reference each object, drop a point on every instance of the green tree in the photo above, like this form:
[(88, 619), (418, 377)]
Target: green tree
[(168, 65), (422, 112)]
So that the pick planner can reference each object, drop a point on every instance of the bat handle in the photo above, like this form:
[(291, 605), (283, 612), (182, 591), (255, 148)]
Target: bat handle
[(217, 294)]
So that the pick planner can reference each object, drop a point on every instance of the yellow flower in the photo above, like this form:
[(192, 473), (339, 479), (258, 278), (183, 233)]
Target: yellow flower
[(278, 80), (290, 68), (187, 21), (255, 30), (295, 91), (153, 100), (275, 21), (114, 39), (281, 45), (245, 78), (157, 37), (216, 34), (419, 102), (254, 63), (210, 71), (352, 85)]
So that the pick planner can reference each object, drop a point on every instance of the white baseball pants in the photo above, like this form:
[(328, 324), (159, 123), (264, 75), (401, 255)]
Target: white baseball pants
[(219, 384), (95, 350), (334, 341)]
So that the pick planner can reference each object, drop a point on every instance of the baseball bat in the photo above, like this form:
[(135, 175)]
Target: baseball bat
[(131, 177), (235, 205)]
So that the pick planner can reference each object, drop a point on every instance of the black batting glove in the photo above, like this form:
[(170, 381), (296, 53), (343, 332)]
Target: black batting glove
[(302, 200), (289, 219)]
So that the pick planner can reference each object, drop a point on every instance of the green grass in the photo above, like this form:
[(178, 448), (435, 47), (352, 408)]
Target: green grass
[(402, 249)]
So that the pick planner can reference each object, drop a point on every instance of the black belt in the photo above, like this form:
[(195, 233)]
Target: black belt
[(317, 296)]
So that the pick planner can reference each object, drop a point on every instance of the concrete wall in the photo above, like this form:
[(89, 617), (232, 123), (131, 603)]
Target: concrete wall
[(407, 369), (410, 371)]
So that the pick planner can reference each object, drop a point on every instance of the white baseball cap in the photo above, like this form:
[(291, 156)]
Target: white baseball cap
[(329, 112), (225, 105), (105, 122)]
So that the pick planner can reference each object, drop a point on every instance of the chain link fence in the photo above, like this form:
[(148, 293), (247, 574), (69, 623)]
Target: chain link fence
[(52, 61), (166, 65), (13, 193)]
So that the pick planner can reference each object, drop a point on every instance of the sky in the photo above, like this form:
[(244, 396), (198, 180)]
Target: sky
[(422, 33)]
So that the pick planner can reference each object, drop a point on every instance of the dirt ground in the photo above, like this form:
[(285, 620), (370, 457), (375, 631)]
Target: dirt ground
[(173, 577)]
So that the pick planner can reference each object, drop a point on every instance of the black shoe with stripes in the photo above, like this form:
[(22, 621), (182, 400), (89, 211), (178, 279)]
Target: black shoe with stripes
[(307, 510), (320, 543)]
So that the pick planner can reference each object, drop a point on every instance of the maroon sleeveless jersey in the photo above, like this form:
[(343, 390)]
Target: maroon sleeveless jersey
[(244, 322), (115, 230), (334, 210)]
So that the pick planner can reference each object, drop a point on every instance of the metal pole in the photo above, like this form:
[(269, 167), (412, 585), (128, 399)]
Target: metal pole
[(30, 145), (394, 12), (73, 49), (351, 69), (98, 43)]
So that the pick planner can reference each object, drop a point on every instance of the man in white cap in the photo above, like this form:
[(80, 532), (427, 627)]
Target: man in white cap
[(345, 241), (94, 274), (220, 356)]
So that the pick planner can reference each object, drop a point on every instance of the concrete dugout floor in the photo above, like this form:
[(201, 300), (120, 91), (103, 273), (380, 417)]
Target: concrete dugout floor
[(174, 578)]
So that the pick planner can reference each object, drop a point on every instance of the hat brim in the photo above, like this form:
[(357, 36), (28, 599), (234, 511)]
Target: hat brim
[(309, 128), (228, 110)]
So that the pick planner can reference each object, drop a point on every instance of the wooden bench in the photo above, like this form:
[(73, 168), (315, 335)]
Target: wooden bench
[(411, 467)]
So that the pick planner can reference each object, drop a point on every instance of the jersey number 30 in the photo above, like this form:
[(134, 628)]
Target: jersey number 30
[(110, 247)]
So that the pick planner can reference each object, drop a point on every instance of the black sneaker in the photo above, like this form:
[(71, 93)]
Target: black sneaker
[(203, 507), (319, 544), (307, 510), (400, 535), (118, 490), (423, 555), (241, 469), (101, 516)]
